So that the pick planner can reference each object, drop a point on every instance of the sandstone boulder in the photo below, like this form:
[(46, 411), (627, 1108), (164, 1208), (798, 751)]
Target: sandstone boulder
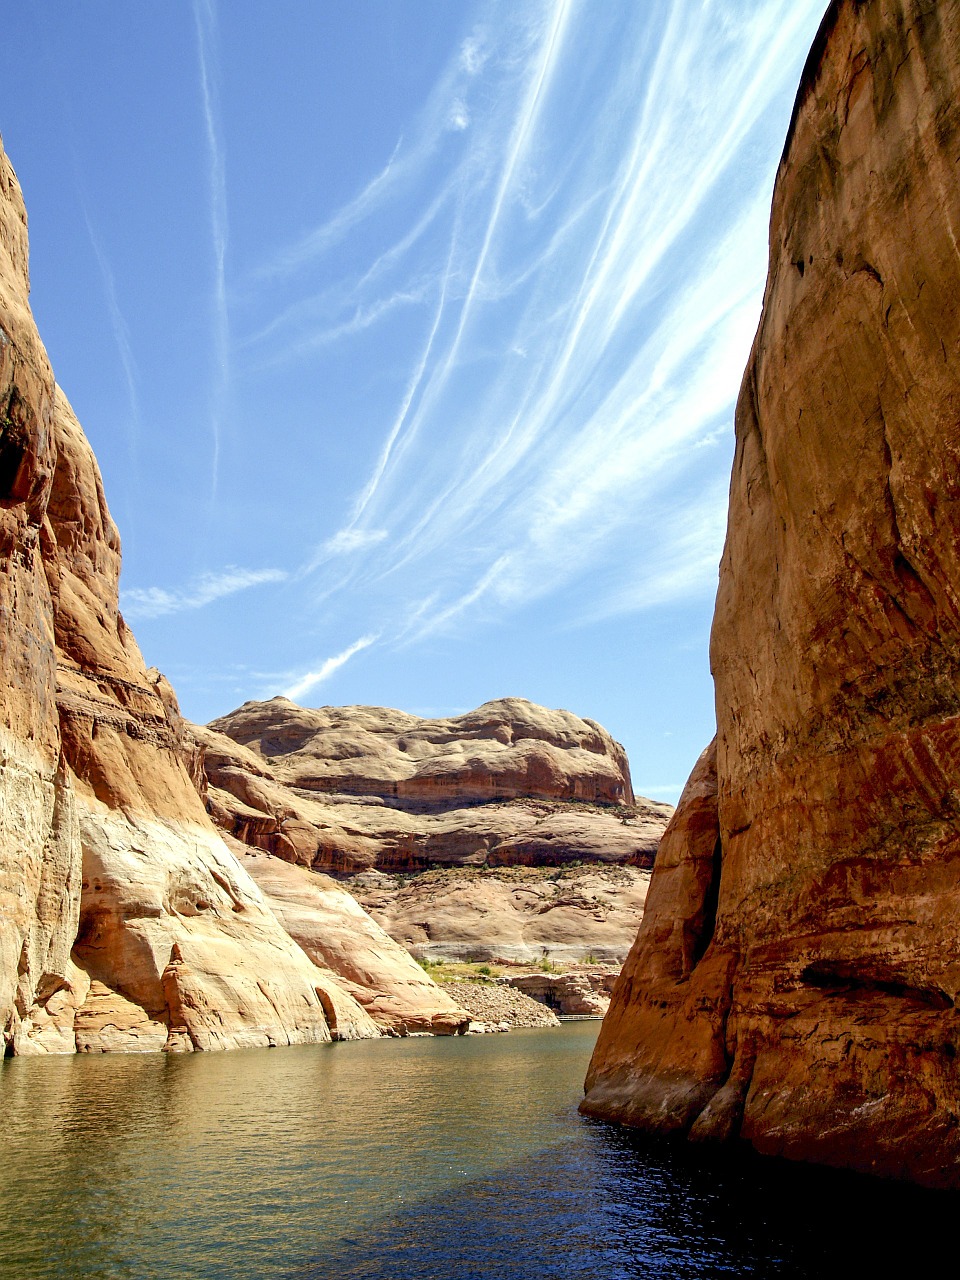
[(581, 993)]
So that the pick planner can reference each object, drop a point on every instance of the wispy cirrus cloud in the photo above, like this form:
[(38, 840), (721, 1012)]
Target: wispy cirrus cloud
[(121, 332), (156, 602), (309, 680), (205, 19), (577, 224), (345, 542)]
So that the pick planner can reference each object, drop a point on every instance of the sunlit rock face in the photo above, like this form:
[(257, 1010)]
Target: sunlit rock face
[(794, 980), (125, 923), (346, 789), (361, 961), (39, 835), (510, 915), (509, 834), (504, 749)]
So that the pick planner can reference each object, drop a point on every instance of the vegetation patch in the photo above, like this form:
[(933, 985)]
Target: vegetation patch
[(461, 971)]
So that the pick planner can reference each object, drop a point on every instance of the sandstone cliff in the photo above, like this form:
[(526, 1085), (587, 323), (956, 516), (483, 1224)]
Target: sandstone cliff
[(339, 936), (106, 850), (795, 979), (510, 833)]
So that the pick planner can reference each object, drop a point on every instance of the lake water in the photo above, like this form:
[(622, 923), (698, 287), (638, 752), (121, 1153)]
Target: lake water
[(447, 1159)]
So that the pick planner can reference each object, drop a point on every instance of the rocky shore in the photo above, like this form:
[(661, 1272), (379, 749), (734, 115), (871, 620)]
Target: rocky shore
[(496, 1006), (498, 999)]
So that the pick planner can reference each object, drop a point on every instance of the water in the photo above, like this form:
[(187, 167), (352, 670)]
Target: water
[(449, 1159)]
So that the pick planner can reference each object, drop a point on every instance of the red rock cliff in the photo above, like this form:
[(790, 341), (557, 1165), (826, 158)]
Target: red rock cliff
[(795, 979)]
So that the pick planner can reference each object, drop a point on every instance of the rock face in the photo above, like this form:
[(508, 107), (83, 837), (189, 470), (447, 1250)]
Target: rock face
[(795, 979), (359, 958), (502, 750), (582, 993), (106, 850), (508, 834), (510, 915), (39, 843)]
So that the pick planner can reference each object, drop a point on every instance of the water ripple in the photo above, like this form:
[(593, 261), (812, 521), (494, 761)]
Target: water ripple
[(447, 1159)]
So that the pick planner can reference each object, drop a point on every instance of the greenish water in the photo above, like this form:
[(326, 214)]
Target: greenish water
[(451, 1158)]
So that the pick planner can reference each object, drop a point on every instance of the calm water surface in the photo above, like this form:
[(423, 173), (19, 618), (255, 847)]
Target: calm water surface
[(449, 1159)]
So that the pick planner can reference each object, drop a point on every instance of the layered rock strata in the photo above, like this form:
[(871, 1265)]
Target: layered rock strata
[(509, 834), (795, 979), (581, 993), (510, 915), (125, 923), (502, 750)]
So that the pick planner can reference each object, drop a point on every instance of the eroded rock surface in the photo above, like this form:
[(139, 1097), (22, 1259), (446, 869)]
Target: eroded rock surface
[(508, 834), (581, 993), (510, 915), (504, 749), (358, 958), (39, 843), (794, 982)]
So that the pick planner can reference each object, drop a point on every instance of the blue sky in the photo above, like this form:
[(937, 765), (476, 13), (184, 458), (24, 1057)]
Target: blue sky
[(408, 334)]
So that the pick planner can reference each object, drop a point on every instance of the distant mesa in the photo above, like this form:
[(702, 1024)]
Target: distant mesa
[(451, 832)]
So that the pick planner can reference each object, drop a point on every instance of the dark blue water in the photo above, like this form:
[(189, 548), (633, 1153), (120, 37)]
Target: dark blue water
[(447, 1159)]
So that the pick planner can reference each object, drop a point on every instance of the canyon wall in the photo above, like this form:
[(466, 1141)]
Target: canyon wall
[(39, 841), (125, 922), (794, 982)]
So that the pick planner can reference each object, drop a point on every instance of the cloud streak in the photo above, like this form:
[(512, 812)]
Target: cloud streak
[(157, 602), (121, 333), (205, 18), (566, 250), (309, 681)]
